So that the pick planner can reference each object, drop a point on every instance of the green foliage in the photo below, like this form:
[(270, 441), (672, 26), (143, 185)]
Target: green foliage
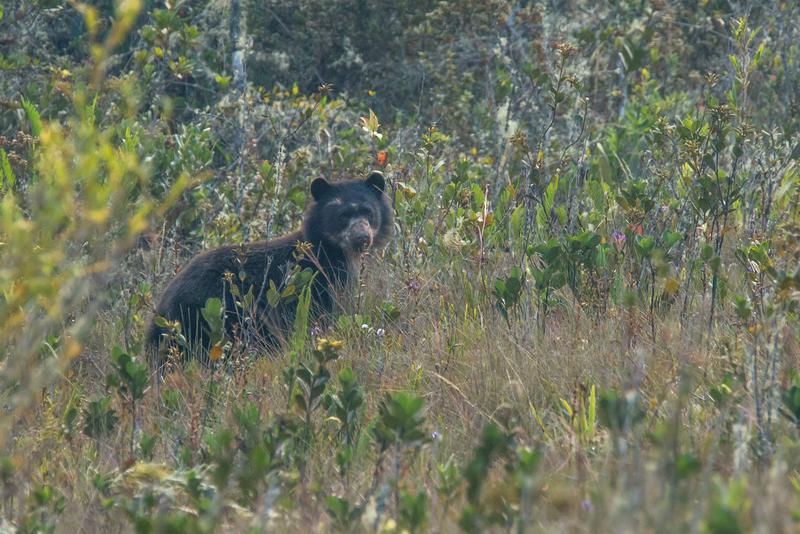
[(498, 446), (583, 417), (620, 413), (301, 320), (494, 442), (214, 316), (99, 418), (44, 508), (311, 384), (726, 507), (33, 117), (791, 400), (400, 422), (6, 173), (508, 291), (130, 377), (344, 406), (413, 511), (344, 517)]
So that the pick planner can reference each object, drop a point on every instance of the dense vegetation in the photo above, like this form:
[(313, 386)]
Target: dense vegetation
[(587, 319)]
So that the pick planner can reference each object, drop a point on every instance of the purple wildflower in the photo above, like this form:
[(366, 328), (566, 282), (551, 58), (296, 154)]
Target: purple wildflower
[(619, 238)]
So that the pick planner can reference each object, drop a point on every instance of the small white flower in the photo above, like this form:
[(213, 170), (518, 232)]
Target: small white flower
[(380, 332), (365, 326)]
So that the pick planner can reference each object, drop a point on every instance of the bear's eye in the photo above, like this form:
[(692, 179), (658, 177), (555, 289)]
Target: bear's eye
[(369, 215)]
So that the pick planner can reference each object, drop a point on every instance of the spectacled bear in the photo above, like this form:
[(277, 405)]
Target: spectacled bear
[(343, 220)]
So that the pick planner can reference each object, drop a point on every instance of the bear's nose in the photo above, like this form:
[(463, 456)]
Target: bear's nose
[(361, 240)]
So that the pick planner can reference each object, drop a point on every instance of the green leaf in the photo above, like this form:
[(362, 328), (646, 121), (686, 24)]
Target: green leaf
[(558, 280), (758, 54), (707, 252), (494, 442), (687, 465), (33, 117), (7, 179), (212, 309), (644, 245), (604, 166), (222, 81), (734, 61), (795, 152), (601, 260), (400, 421), (273, 297), (99, 418), (301, 321), (550, 193), (715, 263), (337, 507), (300, 402), (478, 197), (517, 220), (722, 520), (670, 238), (742, 306)]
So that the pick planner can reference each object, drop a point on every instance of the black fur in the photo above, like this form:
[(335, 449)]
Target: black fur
[(340, 221)]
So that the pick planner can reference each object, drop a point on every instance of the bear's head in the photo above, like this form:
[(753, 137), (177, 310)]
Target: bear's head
[(353, 216)]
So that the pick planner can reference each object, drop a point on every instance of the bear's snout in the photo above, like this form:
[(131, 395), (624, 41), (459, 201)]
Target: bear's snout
[(360, 235), (362, 241)]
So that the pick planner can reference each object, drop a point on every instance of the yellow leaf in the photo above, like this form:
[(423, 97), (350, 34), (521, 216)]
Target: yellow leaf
[(98, 216), (324, 344), (538, 419), (567, 407), (408, 191), (72, 348), (671, 286), (215, 353)]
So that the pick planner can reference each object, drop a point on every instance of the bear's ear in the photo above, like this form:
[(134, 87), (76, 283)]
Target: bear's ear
[(319, 188), (376, 180)]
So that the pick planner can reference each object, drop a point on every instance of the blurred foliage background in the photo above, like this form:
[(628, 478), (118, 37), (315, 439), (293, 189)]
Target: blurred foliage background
[(586, 321)]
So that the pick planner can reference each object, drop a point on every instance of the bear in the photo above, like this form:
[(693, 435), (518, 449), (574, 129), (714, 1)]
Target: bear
[(343, 220)]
